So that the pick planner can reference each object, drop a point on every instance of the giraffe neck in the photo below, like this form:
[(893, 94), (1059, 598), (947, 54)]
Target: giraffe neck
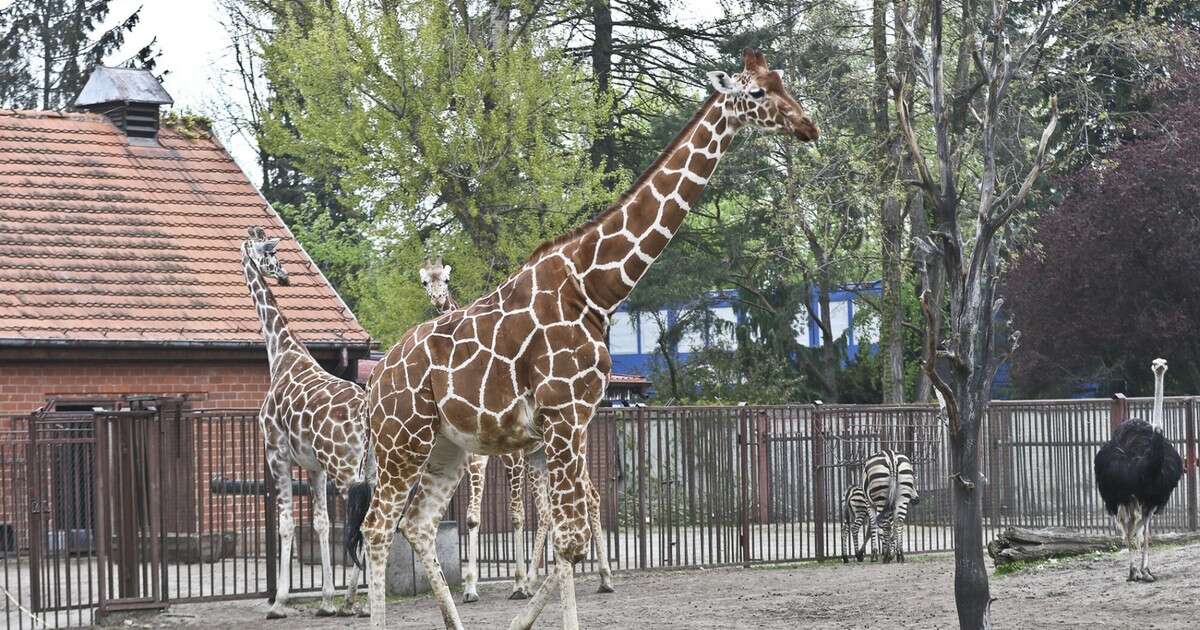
[(612, 252), (282, 346)]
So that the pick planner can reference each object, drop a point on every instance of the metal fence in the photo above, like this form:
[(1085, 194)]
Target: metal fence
[(143, 507)]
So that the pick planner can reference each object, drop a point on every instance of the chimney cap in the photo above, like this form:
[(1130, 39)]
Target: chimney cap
[(132, 85)]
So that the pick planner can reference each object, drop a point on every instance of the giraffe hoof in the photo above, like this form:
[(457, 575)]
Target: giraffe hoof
[(605, 588), (1147, 576), (470, 598), (350, 611), (519, 594), (326, 612), (276, 614)]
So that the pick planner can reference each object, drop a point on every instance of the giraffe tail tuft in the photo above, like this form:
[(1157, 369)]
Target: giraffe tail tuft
[(358, 501)]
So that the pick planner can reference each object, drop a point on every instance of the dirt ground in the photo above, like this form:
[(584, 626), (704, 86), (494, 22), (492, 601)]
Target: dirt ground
[(1086, 592)]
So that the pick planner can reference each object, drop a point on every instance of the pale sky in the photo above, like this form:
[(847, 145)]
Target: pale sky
[(198, 55)]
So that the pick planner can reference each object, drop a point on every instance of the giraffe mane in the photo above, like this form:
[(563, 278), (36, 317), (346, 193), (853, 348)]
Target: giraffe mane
[(648, 173)]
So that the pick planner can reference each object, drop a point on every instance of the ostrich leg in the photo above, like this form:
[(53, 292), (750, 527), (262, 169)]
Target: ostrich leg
[(1146, 575)]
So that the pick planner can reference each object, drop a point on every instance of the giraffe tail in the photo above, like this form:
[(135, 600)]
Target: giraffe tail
[(358, 501)]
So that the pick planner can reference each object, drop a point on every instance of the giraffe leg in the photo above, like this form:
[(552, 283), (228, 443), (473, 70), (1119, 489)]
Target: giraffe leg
[(320, 509), (281, 470), (593, 508), (566, 463), (396, 474), (514, 466), (438, 482), (350, 607), (539, 481), (477, 469)]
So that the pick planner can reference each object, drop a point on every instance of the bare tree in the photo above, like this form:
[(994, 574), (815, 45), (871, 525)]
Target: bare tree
[(962, 367)]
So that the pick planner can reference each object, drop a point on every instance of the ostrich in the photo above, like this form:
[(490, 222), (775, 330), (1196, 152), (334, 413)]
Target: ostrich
[(1136, 472)]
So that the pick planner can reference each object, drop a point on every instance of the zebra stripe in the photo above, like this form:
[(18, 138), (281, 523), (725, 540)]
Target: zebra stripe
[(856, 514), (890, 485)]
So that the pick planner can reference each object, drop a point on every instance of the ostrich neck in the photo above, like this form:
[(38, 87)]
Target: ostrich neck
[(1156, 416)]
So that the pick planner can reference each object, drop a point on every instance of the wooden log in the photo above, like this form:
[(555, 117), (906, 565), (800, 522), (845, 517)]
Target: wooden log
[(1024, 544)]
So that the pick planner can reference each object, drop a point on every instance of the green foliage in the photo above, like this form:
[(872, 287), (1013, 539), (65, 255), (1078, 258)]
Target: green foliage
[(188, 124), (444, 142)]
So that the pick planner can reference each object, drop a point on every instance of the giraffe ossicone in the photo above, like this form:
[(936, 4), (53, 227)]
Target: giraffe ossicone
[(308, 418), (526, 364)]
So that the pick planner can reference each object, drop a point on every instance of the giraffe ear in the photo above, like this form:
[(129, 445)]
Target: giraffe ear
[(271, 244), (424, 275), (446, 271), (778, 73), (721, 82)]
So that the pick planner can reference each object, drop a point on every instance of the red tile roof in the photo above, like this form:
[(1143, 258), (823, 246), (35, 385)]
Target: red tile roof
[(104, 241)]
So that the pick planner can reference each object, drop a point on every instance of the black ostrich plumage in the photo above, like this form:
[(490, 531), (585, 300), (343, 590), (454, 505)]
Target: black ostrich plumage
[(1137, 463)]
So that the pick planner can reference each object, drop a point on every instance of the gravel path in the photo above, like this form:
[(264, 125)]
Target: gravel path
[(1086, 592)]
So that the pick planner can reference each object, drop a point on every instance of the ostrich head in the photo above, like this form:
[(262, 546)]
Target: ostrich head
[(1159, 367)]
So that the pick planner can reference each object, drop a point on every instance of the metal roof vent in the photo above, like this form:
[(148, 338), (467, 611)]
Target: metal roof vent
[(130, 97)]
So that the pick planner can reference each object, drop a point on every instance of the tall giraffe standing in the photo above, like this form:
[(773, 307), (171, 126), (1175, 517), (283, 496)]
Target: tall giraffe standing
[(526, 365), (309, 418), (435, 277)]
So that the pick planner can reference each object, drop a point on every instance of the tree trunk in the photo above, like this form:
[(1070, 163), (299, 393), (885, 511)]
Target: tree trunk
[(829, 353), (972, 596), (603, 151), (891, 327)]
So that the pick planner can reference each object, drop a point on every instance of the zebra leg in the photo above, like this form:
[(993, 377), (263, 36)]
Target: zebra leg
[(863, 525), (846, 537)]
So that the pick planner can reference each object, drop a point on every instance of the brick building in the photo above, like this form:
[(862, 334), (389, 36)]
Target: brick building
[(120, 268)]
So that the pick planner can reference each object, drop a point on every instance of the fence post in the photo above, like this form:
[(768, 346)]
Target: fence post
[(818, 477), (1119, 411), (272, 527), (762, 470), (1190, 467), (37, 535), (744, 505), (643, 431)]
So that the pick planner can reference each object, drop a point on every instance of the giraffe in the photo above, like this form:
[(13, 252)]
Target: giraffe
[(435, 277), (524, 367), (309, 418)]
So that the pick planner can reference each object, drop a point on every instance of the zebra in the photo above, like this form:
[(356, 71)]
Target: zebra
[(891, 486), (856, 516)]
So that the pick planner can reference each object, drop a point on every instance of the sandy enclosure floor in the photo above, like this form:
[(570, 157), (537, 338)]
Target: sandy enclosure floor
[(1087, 592)]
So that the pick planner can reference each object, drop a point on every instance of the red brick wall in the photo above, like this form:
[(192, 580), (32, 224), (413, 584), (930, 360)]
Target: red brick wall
[(25, 386)]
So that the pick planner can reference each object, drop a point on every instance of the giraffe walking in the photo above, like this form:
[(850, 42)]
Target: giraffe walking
[(525, 366), (309, 418), (435, 277)]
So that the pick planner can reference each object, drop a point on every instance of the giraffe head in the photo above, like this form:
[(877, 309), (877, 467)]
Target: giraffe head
[(758, 98), (261, 251), (435, 277)]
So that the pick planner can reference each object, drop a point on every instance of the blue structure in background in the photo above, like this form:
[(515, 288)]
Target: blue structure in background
[(633, 338)]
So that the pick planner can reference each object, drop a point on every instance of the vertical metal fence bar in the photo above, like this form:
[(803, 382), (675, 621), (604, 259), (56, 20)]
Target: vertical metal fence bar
[(1190, 463), (818, 478)]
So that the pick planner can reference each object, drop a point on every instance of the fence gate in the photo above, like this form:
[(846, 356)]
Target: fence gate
[(128, 511)]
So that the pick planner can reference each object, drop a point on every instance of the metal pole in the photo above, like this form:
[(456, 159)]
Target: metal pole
[(1190, 467), (818, 476), (744, 505), (272, 532), (642, 481), (1119, 410), (37, 536)]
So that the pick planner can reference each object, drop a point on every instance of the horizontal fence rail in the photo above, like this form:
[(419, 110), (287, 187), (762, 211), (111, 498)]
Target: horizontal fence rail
[(135, 509)]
